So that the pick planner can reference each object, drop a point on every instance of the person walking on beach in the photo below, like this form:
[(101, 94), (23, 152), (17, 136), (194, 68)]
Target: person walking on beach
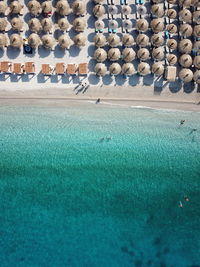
[(182, 122), (98, 101)]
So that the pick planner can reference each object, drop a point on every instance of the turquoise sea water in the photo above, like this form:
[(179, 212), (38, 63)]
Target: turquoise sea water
[(71, 198)]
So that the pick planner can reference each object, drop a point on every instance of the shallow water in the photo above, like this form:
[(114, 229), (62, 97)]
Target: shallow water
[(71, 196)]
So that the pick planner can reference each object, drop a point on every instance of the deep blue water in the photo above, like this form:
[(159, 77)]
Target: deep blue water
[(71, 196)]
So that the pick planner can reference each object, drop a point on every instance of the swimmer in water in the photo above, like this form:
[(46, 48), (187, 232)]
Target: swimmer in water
[(186, 198), (180, 204)]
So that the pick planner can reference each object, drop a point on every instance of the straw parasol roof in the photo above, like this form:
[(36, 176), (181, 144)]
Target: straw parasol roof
[(186, 30), (79, 24), (46, 24), (34, 7), (142, 40), (3, 40), (79, 40), (157, 39), (196, 3), (98, 1), (172, 28), (186, 75), (185, 15), (142, 25), (63, 8), (126, 10), (158, 68), (115, 69), (3, 24), (63, 24), (172, 59), (127, 40), (127, 24), (113, 40), (113, 10), (99, 11), (15, 7), (185, 46), (48, 41), (34, 25), (16, 40), (79, 7), (16, 23), (196, 46), (197, 62), (172, 44), (114, 54), (158, 53), (3, 7), (34, 40), (128, 69), (143, 54), (47, 7), (99, 40), (128, 54), (172, 1), (197, 30), (100, 69), (196, 16), (185, 61), (143, 68), (157, 10), (64, 41), (196, 76), (185, 3), (100, 55), (157, 25), (171, 13), (99, 24), (113, 24)]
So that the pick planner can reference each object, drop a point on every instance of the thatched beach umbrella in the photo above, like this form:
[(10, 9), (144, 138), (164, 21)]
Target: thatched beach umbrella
[(115, 69), (157, 1), (3, 40), (113, 10), (142, 40), (197, 31), (79, 7), (16, 23), (196, 46), (171, 59), (142, 25), (157, 10), (15, 7), (99, 24), (143, 54), (126, 10), (186, 75), (128, 54), (79, 24), (158, 53), (172, 2), (158, 68), (47, 7), (63, 8), (64, 41), (172, 44), (127, 40), (127, 24), (171, 13), (157, 39), (172, 28), (100, 69), (128, 69), (48, 41), (195, 3), (3, 24), (34, 40), (197, 62), (196, 76), (185, 3), (114, 54), (99, 11), (113, 40), (98, 1), (143, 68), (34, 25), (99, 40), (196, 16), (34, 7), (186, 30), (16, 40), (46, 24), (80, 40), (185, 61), (185, 15), (63, 24), (3, 7), (100, 55), (185, 46), (113, 24), (157, 25)]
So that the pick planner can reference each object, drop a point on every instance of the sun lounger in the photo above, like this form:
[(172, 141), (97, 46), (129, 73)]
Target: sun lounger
[(6, 67), (29, 67), (170, 73), (18, 68), (46, 69), (71, 69), (83, 69), (60, 68)]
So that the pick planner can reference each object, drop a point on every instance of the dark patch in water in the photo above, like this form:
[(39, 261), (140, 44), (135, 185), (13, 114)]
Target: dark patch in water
[(162, 264), (158, 254), (195, 266), (22, 259), (131, 253), (166, 250), (157, 241), (149, 262), (124, 249), (138, 263)]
